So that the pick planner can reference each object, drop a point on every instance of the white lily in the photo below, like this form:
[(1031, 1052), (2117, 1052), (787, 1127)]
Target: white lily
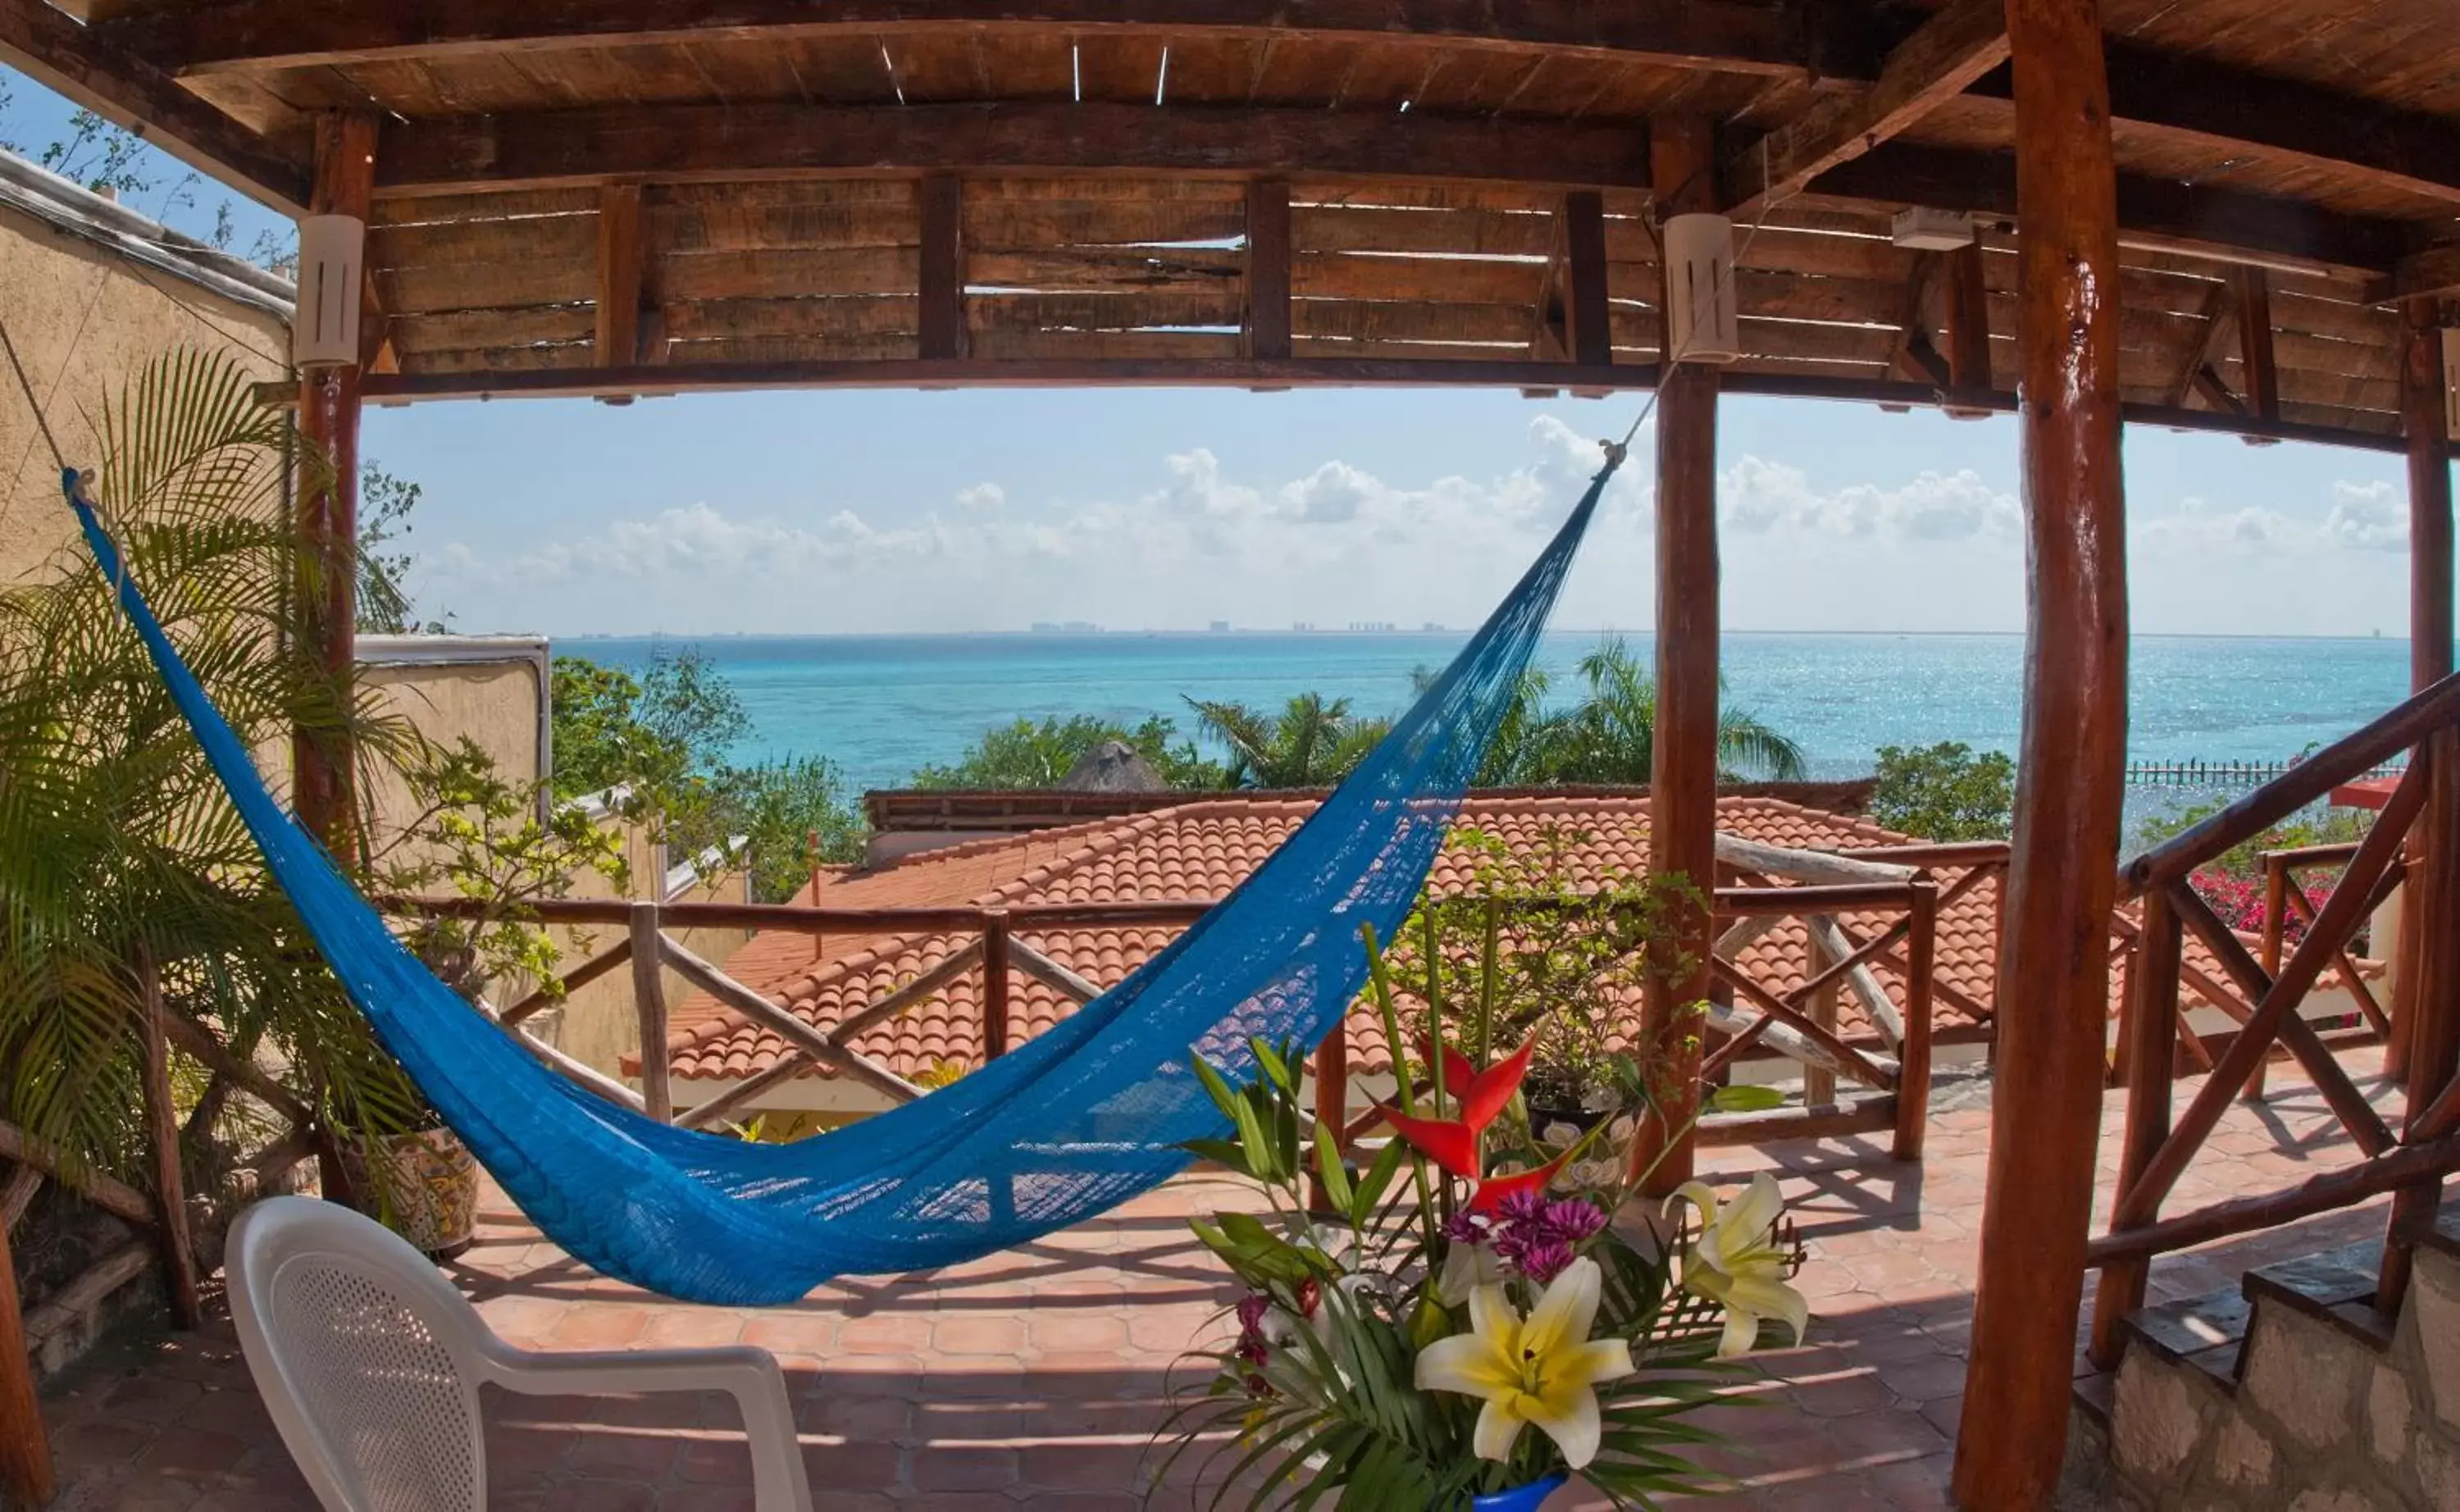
[(1535, 1371), (1468, 1265), (1736, 1262)]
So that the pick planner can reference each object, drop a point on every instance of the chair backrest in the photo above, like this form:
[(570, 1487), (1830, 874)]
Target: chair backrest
[(366, 1358)]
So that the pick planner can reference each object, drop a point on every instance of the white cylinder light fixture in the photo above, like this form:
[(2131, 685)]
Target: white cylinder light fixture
[(2451, 380), (332, 255), (1703, 321)]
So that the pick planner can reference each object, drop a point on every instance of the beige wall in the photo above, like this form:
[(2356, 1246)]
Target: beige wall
[(495, 703), (83, 317)]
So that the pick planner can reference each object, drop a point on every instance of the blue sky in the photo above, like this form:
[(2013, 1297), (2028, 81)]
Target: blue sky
[(986, 510)]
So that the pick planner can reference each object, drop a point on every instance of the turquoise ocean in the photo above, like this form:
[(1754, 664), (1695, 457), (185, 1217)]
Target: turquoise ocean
[(879, 706)]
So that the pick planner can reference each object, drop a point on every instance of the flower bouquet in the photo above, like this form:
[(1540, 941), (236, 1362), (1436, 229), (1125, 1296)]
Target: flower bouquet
[(1452, 1329)]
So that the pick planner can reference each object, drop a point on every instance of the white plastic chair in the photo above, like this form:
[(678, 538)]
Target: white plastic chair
[(371, 1363)]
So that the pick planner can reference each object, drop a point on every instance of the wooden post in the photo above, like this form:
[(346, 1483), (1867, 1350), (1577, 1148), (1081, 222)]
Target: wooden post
[(1818, 1082), (24, 1444), (2430, 915), (162, 1127), (1913, 1082), (2151, 1032), (649, 1002), (942, 312), (1683, 785), (1268, 268), (1332, 1100), (2276, 933), (994, 985), (323, 760), (2053, 985)]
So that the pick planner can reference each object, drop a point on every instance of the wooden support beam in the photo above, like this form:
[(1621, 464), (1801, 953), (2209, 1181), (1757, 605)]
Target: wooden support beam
[(51, 48), (1914, 1050), (1682, 781), (1968, 328), (1915, 356), (1331, 1068), (2149, 1036), (1589, 333), (449, 155), (621, 258), (273, 35), (26, 1476), (2254, 355), (2195, 373), (941, 308), (2195, 218), (1957, 45), (172, 1238), (2053, 983), (2430, 915), (322, 759), (1267, 329)]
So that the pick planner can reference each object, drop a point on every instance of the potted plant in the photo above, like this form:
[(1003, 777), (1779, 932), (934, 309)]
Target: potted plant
[(497, 846), (1454, 1335)]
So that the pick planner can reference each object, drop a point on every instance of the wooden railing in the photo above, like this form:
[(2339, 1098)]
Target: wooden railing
[(2159, 1142), (1836, 903)]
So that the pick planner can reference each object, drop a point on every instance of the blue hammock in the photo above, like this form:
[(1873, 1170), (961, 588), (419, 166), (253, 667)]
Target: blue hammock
[(1079, 1119)]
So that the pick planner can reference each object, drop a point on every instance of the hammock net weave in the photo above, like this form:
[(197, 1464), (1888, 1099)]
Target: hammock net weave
[(1069, 1124)]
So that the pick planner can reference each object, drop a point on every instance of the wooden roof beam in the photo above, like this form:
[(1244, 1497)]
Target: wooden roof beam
[(2285, 235), (754, 141), (271, 35), (1944, 56), (61, 53), (2344, 134)]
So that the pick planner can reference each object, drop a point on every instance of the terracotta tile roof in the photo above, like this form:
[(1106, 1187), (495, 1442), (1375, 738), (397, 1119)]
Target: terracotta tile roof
[(1199, 850)]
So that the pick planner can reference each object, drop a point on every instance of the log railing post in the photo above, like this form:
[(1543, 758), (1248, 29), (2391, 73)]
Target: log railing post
[(2276, 932), (2152, 1033), (1683, 781), (162, 1127), (649, 1002), (2053, 980), (1913, 1076), (995, 996), (1331, 1101), (24, 1444), (1818, 1082)]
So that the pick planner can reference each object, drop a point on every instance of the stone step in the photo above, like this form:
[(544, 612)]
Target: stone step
[(2204, 1333), (2333, 1285)]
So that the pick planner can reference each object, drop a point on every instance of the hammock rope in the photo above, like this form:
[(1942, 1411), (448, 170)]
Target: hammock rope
[(1083, 1116)]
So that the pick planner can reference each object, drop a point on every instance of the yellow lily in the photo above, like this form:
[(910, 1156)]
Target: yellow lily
[(1535, 1371), (1736, 1262)]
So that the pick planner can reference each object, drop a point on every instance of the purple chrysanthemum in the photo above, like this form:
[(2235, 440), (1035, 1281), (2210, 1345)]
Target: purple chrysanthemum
[(1522, 1208), (1543, 1260), (1573, 1220)]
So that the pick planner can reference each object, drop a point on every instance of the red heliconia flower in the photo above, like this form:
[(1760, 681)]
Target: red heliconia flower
[(1480, 1097)]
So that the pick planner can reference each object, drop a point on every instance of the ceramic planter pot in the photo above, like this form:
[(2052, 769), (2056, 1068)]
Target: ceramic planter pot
[(1519, 1499), (429, 1188)]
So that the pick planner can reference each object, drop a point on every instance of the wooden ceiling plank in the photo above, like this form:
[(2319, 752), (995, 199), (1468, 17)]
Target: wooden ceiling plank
[(125, 89), (701, 142), (257, 36), (1947, 53)]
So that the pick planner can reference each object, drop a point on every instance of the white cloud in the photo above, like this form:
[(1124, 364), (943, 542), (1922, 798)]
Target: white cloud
[(1338, 543)]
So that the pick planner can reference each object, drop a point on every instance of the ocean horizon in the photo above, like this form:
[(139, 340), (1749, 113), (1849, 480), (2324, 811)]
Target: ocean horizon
[(879, 706)]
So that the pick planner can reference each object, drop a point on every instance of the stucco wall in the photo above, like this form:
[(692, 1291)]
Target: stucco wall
[(84, 318)]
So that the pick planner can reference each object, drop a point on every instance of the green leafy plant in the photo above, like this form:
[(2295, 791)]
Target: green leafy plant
[(1028, 754), (1312, 742), (499, 847), (116, 843), (1944, 792)]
